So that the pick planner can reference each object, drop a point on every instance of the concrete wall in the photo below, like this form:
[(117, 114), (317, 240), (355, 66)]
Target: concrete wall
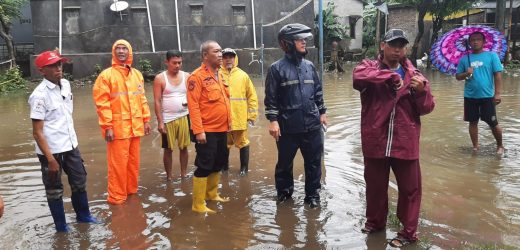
[(82, 65), (405, 18), (90, 27), (346, 9)]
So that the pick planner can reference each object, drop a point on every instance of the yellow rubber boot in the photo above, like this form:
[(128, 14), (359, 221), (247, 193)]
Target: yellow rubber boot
[(212, 188), (199, 193)]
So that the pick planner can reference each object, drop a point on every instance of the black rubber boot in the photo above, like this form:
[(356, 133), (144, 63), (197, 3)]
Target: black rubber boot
[(244, 160)]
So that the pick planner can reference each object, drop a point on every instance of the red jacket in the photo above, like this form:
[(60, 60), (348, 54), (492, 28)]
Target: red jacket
[(390, 119)]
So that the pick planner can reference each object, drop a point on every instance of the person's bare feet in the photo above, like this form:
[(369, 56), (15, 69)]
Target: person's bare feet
[(500, 150), (169, 178)]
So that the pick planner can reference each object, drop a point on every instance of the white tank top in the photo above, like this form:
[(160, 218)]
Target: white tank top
[(173, 99)]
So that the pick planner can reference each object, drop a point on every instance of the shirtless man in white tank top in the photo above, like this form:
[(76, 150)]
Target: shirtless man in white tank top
[(172, 112)]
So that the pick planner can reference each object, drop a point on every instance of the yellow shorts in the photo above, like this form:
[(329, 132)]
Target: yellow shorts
[(177, 130), (239, 138)]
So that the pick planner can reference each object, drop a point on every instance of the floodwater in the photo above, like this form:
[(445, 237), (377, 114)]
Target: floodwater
[(468, 199)]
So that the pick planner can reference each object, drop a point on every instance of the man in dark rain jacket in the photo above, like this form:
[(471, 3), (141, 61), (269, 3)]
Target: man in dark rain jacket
[(296, 111)]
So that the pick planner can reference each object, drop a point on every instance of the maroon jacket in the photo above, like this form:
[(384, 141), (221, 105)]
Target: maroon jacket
[(390, 119)]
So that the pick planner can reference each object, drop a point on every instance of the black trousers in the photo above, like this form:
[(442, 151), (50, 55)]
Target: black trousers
[(70, 162), (311, 148)]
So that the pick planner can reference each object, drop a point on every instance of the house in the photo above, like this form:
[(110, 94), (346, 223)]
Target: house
[(351, 15), (91, 26)]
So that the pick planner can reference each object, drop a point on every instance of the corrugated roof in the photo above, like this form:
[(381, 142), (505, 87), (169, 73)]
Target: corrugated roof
[(493, 5)]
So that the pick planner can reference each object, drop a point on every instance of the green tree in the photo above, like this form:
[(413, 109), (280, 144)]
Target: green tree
[(333, 30), (9, 10), (422, 7), (440, 9)]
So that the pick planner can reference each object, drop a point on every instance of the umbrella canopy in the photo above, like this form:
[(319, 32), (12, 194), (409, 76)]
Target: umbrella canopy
[(449, 48)]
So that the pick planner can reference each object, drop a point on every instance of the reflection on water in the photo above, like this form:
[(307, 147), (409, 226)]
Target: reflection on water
[(466, 198)]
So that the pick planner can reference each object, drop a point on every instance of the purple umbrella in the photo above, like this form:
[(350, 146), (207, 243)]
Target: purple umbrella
[(448, 49)]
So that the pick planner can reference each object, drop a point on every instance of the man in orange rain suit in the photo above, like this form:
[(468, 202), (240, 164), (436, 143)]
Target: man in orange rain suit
[(208, 103), (124, 117)]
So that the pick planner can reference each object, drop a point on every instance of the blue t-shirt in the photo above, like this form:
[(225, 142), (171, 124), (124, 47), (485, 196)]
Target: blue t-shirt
[(481, 84), (400, 71)]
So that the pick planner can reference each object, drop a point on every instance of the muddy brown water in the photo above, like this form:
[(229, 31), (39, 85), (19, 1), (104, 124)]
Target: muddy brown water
[(467, 199)]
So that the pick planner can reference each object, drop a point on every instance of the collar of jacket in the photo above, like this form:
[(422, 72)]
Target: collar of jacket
[(294, 58), (123, 68), (405, 63)]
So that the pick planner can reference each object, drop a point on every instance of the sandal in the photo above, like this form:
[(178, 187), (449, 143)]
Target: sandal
[(400, 242)]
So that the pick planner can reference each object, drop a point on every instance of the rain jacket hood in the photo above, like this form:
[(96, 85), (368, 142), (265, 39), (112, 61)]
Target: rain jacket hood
[(242, 96), (129, 59)]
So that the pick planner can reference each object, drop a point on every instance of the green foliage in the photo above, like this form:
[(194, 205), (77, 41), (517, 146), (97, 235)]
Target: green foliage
[(97, 71), (145, 66), (369, 26), (11, 80), (10, 9), (333, 30), (68, 76)]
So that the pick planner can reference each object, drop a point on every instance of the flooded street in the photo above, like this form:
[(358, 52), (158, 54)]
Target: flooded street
[(467, 199)]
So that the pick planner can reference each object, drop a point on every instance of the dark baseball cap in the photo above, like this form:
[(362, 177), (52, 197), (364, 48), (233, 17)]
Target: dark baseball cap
[(394, 34), (229, 51)]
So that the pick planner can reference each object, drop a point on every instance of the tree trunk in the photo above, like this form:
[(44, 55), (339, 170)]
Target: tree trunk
[(437, 26), (500, 15), (5, 34), (418, 37)]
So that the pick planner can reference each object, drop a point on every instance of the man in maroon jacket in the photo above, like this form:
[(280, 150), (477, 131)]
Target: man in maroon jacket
[(394, 94)]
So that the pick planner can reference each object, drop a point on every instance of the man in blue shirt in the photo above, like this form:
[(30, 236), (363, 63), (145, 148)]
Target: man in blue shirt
[(482, 71)]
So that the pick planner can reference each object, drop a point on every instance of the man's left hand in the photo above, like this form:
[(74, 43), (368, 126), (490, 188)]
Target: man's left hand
[(323, 119), (147, 128), (417, 84)]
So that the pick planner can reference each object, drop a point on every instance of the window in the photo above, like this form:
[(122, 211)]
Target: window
[(239, 14), (352, 20), (196, 13), (196, 9), (239, 9), (71, 19)]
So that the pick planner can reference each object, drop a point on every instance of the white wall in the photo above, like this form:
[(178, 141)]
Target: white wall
[(345, 8)]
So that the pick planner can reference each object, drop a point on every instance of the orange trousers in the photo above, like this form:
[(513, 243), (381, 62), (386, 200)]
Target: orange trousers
[(123, 168)]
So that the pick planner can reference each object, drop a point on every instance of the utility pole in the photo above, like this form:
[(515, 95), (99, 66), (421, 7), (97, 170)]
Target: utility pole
[(509, 30), (500, 15)]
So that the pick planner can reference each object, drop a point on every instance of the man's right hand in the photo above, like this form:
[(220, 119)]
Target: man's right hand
[(201, 138), (109, 135), (53, 169), (274, 130), (469, 71), (161, 129)]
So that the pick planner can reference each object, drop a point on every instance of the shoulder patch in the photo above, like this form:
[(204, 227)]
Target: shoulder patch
[(191, 84)]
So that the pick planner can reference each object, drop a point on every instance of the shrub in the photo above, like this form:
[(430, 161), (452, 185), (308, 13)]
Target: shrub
[(11, 80)]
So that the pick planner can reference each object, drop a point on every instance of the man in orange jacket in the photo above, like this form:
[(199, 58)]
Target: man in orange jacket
[(208, 103), (124, 117)]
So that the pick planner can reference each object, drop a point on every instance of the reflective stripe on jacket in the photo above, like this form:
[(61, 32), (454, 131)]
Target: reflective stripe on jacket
[(294, 95), (208, 102), (120, 99), (390, 119), (242, 96)]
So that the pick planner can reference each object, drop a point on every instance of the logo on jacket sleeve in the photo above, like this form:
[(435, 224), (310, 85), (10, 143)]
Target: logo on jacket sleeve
[(191, 84)]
